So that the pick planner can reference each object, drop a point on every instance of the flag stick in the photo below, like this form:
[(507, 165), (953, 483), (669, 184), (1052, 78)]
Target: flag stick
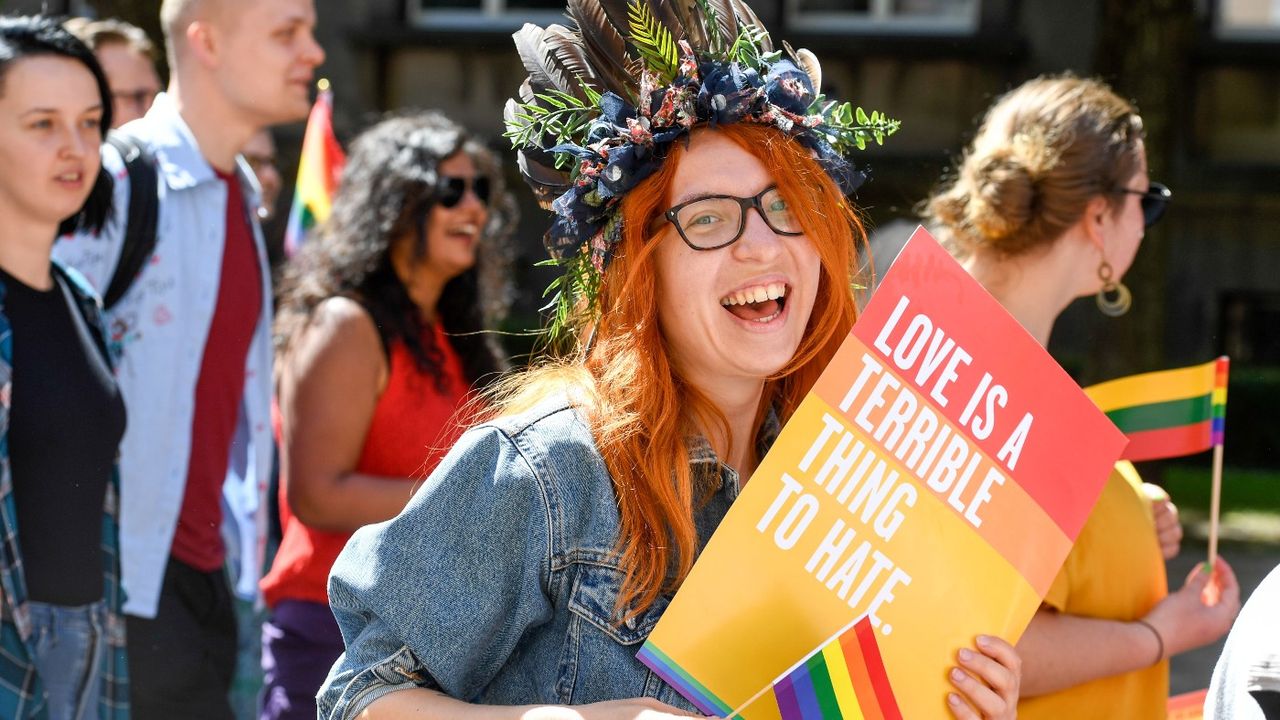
[(1214, 503)]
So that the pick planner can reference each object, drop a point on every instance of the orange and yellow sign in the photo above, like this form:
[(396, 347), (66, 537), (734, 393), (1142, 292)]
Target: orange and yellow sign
[(1187, 706), (933, 480)]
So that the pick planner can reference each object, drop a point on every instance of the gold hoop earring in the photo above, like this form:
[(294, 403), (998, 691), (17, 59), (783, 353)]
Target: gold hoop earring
[(1114, 299)]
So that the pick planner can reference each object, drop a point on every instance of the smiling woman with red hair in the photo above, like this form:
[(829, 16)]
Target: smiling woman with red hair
[(709, 251)]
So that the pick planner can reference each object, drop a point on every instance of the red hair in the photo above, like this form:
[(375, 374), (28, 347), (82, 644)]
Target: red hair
[(641, 411)]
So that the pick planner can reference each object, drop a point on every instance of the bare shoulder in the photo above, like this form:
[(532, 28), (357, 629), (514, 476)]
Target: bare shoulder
[(344, 318), (341, 336)]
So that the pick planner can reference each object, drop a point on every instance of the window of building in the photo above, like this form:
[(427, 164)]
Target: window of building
[(484, 14), (1237, 117), (942, 17), (1248, 321), (1248, 19)]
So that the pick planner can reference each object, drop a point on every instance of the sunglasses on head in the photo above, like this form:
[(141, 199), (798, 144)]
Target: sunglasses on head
[(1154, 201), (449, 190)]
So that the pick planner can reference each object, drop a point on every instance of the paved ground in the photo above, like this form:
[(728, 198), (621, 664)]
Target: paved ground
[(1252, 561)]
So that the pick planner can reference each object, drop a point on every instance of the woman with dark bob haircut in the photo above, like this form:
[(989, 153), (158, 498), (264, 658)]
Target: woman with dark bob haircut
[(379, 339), (61, 635)]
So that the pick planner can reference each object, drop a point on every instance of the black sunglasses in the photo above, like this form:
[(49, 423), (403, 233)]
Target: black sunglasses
[(1154, 201), (449, 190)]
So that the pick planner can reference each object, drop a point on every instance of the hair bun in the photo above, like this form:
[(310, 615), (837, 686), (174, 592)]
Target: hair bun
[(1006, 182), (1042, 153)]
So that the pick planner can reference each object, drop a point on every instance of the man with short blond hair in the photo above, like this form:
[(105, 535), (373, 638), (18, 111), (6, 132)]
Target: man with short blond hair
[(128, 57), (193, 329)]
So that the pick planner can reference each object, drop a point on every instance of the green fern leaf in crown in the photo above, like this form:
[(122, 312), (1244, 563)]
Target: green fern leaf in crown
[(714, 40), (653, 41)]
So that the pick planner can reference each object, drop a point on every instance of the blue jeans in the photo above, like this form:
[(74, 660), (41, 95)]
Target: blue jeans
[(69, 645)]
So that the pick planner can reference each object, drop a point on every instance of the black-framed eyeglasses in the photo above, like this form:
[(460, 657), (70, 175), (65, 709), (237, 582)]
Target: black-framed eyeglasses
[(449, 190), (1154, 201), (715, 221)]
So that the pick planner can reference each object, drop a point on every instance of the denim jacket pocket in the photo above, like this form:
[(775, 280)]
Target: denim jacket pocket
[(601, 650), (594, 599)]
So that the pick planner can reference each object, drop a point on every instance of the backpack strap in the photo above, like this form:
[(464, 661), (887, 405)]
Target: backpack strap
[(143, 218)]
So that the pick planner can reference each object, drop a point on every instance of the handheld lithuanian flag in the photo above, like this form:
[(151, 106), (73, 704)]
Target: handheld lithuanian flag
[(844, 679), (318, 171), (1168, 413)]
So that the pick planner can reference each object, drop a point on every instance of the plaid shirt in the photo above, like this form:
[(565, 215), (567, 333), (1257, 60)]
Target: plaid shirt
[(21, 692)]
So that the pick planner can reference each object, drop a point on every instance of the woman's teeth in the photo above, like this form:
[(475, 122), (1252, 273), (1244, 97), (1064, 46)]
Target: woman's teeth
[(756, 294)]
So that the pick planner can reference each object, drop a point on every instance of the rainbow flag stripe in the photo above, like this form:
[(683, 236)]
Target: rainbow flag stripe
[(676, 677), (1167, 413), (845, 679), (318, 171)]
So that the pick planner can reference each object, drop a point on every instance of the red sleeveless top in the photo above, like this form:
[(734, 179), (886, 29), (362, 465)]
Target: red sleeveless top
[(410, 432)]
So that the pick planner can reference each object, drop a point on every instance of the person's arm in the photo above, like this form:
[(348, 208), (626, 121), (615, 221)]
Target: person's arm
[(419, 704), (329, 386), (440, 597), (989, 690), (1060, 650)]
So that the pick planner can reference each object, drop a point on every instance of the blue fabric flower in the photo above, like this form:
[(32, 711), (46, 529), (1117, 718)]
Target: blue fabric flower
[(729, 92), (628, 164), (789, 87)]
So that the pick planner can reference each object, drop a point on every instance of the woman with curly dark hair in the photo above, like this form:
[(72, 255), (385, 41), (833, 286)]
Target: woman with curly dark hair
[(379, 342)]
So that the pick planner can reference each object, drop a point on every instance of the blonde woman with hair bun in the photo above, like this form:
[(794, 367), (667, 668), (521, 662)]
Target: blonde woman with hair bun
[(1049, 204)]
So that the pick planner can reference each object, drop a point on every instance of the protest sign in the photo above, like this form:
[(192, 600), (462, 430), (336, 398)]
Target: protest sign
[(933, 480)]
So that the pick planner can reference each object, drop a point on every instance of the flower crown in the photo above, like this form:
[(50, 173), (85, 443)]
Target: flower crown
[(596, 117)]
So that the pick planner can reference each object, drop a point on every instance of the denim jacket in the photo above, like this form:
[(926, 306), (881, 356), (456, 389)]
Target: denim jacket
[(497, 583)]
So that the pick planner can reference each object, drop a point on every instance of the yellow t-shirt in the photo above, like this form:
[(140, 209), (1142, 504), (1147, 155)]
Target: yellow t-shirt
[(1114, 571)]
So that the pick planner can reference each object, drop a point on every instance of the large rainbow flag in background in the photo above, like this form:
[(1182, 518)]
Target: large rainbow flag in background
[(1167, 413), (318, 171), (844, 679)]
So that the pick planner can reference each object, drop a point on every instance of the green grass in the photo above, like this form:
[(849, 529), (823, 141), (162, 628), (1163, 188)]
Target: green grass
[(1242, 489)]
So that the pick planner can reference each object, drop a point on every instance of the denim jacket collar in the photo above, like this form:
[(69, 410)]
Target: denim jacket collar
[(703, 457)]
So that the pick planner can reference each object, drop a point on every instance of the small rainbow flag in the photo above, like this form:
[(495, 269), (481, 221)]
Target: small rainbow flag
[(844, 679), (1167, 413), (318, 171)]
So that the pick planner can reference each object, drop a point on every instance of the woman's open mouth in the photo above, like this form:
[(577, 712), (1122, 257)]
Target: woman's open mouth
[(758, 303)]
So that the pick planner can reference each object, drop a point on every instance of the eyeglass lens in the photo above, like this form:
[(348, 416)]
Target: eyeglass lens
[(717, 221), (451, 190)]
